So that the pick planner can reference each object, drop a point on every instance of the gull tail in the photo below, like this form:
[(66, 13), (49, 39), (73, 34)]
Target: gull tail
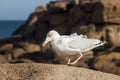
[(101, 43)]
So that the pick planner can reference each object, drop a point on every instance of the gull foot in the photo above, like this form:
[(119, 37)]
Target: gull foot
[(72, 63)]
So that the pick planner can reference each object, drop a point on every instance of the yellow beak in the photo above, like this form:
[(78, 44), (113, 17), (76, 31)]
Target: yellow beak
[(46, 41), (44, 44)]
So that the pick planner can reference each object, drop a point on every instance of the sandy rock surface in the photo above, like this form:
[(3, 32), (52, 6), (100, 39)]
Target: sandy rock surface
[(50, 72)]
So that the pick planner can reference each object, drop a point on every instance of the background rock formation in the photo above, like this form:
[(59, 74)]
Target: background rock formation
[(98, 19)]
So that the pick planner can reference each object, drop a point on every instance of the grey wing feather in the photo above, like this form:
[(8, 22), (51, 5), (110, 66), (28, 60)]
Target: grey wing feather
[(76, 35), (83, 36), (81, 43)]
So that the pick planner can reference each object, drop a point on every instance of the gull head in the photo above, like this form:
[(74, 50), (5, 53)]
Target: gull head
[(51, 35)]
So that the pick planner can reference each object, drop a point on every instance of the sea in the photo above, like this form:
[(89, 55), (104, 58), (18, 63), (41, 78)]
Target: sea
[(7, 27)]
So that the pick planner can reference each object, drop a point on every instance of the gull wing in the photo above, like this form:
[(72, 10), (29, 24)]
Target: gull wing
[(83, 36), (76, 35), (83, 44)]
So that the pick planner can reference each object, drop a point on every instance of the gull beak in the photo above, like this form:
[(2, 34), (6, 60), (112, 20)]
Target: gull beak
[(44, 43)]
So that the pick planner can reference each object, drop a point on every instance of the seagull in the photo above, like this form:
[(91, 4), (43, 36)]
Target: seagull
[(68, 45)]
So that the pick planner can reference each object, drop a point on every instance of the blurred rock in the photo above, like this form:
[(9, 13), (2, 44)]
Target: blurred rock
[(76, 14), (41, 31), (111, 11), (17, 52), (102, 11), (58, 19), (40, 9), (2, 77), (47, 72), (63, 29), (6, 47), (57, 6), (5, 57), (32, 48), (113, 35), (108, 63)]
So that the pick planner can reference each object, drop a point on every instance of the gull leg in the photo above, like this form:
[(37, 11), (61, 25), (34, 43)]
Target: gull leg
[(72, 63), (69, 60)]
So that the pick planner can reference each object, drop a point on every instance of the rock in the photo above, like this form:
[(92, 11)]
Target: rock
[(17, 52), (40, 9), (32, 48), (57, 6), (76, 13), (21, 44), (97, 14), (41, 31), (111, 11), (51, 72), (87, 5), (102, 11), (76, 2), (21, 61), (6, 47), (63, 29), (43, 16), (2, 77), (96, 32), (108, 62), (58, 19), (113, 35), (83, 29), (5, 58), (5, 53), (32, 22)]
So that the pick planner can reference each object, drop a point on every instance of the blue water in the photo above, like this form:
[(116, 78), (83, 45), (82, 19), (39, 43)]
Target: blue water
[(8, 27)]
